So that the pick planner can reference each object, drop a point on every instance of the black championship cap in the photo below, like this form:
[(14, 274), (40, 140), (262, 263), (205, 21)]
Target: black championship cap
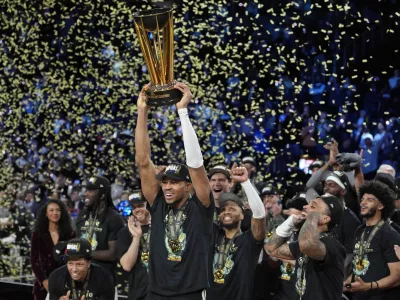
[(78, 248), (221, 170), (335, 206), (97, 183), (340, 178), (225, 197), (269, 190), (136, 196), (297, 202), (178, 172)]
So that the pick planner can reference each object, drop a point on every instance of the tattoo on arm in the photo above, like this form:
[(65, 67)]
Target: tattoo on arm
[(258, 228), (283, 252), (309, 242), (275, 242)]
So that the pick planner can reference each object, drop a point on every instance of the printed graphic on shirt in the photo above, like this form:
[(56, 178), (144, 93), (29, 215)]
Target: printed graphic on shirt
[(301, 281), (361, 263), (144, 256), (220, 273), (287, 270), (85, 233), (175, 247)]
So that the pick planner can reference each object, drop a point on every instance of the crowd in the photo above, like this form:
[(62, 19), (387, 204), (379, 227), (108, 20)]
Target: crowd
[(337, 237), (191, 219)]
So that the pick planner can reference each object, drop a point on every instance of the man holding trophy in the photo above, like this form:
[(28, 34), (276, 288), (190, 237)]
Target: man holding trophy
[(182, 224)]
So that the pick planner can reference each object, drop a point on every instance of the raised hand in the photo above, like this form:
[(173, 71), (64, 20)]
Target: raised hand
[(66, 297), (141, 101), (187, 95), (134, 227), (333, 148), (240, 174)]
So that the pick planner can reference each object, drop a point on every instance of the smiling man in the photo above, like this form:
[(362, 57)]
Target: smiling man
[(236, 253), (134, 246), (181, 223), (99, 223), (376, 269), (80, 279)]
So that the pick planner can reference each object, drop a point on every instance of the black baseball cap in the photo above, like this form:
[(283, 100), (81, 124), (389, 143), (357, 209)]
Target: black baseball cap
[(269, 190), (136, 196), (97, 183), (249, 159), (228, 196), (340, 178), (78, 248), (317, 164), (221, 170), (297, 202), (335, 206), (175, 171)]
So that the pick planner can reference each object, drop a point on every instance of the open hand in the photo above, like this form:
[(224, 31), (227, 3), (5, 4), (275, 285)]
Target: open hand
[(134, 227), (359, 285), (66, 297), (187, 95)]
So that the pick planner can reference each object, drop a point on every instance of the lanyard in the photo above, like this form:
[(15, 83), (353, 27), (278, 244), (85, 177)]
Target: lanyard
[(173, 225), (223, 250), (92, 223), (75, 295), (375, 229)]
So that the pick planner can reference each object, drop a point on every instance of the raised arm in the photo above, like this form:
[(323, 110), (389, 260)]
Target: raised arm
[(147, 172), (129, 259), (194, 157), (309, 241), (258, 224)]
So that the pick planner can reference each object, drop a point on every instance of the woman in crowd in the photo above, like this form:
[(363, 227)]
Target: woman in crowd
[(52, 225)]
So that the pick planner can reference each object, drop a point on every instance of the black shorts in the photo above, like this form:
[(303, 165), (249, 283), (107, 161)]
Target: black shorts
[(197, 295)]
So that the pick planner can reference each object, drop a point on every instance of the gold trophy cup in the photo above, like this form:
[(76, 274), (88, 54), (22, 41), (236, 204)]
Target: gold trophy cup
[(155, 30)]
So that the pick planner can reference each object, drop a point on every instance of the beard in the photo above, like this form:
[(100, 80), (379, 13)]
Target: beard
[(233, 225), (370, 213)]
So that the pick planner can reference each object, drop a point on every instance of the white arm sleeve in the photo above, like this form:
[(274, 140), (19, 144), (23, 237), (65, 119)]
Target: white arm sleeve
[(286, 228), (194, 158), (255, 203)]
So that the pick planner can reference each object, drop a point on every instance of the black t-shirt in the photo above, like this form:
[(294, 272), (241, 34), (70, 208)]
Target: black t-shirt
[(238, 271), (185, 271), (346, 230), (320, 279), (106, 229), (138, 277), (378, 254), (100, 286), (287, 290)]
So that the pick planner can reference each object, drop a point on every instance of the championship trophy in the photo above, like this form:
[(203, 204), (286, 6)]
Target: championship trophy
[(155, 30)]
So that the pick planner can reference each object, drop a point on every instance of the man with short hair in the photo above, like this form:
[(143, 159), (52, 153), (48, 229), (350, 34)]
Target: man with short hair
[(134, 246), (376, 269), (181, 223), (80, 279), (273, 207), (221, 182), (99, 223), (319, 256), (388, 169), (338, 185), (236, 252)]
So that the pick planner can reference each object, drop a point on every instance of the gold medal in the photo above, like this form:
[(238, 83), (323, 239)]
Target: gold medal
[(174, 245), (268, 234), (289, 268), (145, 257), (219, 276)]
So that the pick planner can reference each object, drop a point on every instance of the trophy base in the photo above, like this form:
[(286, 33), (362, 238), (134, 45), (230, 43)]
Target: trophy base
[(163, 98)]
